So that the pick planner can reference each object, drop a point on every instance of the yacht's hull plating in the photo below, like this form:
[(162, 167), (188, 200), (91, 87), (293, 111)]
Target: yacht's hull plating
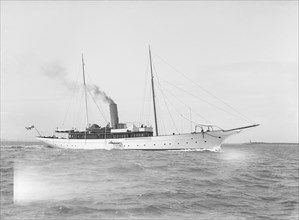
[(211, 140)]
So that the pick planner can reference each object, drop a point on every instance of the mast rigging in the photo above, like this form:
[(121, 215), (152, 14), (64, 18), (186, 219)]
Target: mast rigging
[(87, 122), (153, 92)]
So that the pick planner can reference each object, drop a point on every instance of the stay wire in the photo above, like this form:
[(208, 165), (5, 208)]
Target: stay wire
[(205, 90), (168, 109), (98, 106), (206, 101), (78, 118), (187, 106), (161, 90), (162, 126), (149, 113), (72, 95), (144, 93), (68, 108)]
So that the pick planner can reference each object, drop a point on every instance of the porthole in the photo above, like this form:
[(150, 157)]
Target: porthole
[(196, 142), (186, 142), (205, 141), (164, 144)]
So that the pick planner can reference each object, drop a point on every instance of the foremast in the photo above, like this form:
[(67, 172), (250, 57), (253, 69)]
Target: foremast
[(85, 92), (153, 92)]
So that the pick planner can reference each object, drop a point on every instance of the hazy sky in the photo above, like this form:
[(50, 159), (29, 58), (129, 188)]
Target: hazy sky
[(244, 52)]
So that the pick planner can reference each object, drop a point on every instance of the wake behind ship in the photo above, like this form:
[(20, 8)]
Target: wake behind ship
[(130, 136)]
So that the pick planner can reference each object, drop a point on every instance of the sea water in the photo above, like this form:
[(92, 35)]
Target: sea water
[(245, 181)]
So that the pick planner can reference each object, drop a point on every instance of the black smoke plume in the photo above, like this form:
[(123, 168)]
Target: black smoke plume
[(99, 93), (57, 71)]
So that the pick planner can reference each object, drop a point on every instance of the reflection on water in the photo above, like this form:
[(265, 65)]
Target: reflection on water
[(234, 155)]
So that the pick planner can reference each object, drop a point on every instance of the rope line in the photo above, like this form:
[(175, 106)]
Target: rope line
[(78, 118), (187, 106), (68, 108), (232, 114), (161, 90), (99, 108), (144, 94), (162, 126), (205, 90)]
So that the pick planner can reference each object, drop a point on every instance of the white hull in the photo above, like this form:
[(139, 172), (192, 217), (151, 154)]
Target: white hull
[(202, 141)]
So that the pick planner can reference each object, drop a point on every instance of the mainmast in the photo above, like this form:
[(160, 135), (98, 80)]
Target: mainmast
[(85, 92), (153, 92)]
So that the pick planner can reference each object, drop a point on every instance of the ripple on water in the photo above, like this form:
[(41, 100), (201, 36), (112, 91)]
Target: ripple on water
[(252, 182)]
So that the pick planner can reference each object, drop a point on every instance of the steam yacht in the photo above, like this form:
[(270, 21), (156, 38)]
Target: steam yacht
[(125, 136)]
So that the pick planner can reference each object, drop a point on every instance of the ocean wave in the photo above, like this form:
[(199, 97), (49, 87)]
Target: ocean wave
[(37, 146), (196, 150), (73, 210), (237, 183)]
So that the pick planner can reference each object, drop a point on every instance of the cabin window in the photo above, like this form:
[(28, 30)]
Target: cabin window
[(186, 142)]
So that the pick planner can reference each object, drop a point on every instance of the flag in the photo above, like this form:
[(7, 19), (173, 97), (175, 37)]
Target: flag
[(29, 128)]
